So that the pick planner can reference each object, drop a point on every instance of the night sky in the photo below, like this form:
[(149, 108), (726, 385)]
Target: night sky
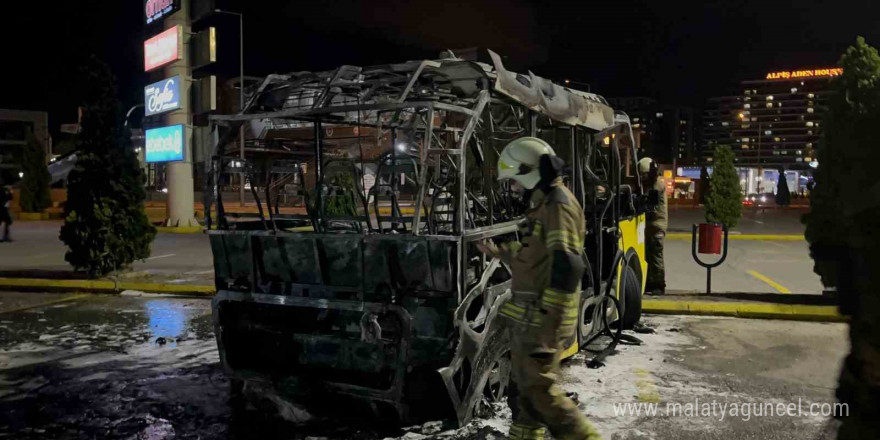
[(679, 52)]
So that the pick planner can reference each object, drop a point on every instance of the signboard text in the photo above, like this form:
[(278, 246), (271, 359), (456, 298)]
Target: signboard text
[(164, 144), (815, 73), (162, 96), (162, 49)]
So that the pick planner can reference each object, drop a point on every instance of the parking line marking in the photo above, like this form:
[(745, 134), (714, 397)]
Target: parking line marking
[(161, 256), (646, 386), (47, 303), (770, 282)]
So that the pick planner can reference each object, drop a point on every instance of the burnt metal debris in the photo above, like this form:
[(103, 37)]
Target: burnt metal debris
[(358, 277)]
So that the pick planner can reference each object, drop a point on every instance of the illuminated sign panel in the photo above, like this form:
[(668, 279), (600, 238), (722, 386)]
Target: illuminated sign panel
[(163, 96), (164, 144), (162, 49), (156, 9), (797, 74)]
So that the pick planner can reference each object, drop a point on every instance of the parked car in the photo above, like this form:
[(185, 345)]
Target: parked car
[(761, 200)]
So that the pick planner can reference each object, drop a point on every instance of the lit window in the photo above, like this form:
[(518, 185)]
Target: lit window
[(745, 139), (800, 152), (794, 90), (810, 110), (809, 145), (776, 139), (748, 92), (802, 83), (745, 146), (769, 105), (682, 122), (754, 91), (748, 98), (811, 95), (779, 104), (635, 119), (747, 106), (659, 115), (724, 124), (768, 132), (809, 123), (817, 124), (769, 97), (637, 125)]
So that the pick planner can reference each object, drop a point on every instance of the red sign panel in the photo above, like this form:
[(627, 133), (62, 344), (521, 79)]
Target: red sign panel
[(162, 49)]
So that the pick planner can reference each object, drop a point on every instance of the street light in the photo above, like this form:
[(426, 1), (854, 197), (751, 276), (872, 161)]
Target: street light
[(240, 89), (569, 82)]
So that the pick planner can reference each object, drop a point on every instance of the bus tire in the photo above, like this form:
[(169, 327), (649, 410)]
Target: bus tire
[(632, 298)]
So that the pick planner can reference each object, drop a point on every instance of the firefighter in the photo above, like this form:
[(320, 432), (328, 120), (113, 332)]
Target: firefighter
[(655, 230), (547, 268), (5, 215)]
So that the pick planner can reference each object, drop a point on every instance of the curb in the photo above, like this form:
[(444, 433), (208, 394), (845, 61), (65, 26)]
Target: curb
[(793, 312), (102, 286), (180, 230), (755, 237)]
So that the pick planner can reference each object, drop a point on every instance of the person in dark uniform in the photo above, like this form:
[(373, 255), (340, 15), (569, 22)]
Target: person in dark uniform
[(655, 230), (5, 215)]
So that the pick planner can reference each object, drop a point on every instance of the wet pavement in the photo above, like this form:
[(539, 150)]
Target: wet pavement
[(146, 367)]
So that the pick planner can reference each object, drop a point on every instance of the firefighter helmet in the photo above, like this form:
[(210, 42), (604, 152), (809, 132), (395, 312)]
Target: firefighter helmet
[(645, 165), (520, 161)]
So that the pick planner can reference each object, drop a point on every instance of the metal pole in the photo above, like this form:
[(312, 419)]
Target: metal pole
[(709, 280), (241, 98)]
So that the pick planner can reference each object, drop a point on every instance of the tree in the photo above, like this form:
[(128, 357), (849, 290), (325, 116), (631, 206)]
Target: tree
[(704, 184), (842, 229), (105, 225), (724, 201), (34, 184), (783, 195)]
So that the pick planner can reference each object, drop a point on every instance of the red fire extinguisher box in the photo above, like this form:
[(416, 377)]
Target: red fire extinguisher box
[(710, 238)]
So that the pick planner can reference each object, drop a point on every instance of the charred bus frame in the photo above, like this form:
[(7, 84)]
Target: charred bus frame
[(373, 304)]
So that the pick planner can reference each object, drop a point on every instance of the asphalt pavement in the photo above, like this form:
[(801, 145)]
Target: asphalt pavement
[(38, 252), (752, 266), (146, 366), (753, 221)]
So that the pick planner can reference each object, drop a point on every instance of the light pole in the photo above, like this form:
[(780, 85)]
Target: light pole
[(569, 82), (241, 93)]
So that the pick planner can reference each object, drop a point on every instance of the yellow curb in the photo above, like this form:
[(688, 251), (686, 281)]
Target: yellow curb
[(758, 237), (32, 283), (796, 312), (181, 230), (103, 286)]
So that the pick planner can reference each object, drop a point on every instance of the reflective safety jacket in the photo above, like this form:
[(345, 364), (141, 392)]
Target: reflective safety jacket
[(547, 264)]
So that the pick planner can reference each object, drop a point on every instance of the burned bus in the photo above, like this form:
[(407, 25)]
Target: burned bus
[(356, 277)]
